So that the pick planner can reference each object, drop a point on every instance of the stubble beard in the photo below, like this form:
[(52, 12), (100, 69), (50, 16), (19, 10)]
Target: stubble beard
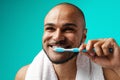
[(61, 61)]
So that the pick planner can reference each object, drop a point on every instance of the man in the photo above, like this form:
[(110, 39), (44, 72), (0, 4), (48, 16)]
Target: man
[(64, 26)]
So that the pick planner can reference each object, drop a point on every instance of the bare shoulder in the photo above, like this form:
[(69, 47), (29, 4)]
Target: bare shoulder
[(21, 73)]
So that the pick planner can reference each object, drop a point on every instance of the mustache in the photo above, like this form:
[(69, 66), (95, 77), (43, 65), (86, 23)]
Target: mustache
[(63, 44), (58, 42)]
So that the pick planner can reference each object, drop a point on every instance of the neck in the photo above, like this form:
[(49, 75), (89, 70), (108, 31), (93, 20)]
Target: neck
[(66, 71)]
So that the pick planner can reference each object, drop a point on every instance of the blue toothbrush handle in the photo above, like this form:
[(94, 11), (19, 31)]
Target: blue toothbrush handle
[(76, 50), (110, 50)]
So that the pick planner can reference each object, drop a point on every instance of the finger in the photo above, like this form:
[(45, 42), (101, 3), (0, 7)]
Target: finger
[(114, 46), (108, 44), (89, 46), (105, 48), (116, 51), (82, 46), (98, 49)]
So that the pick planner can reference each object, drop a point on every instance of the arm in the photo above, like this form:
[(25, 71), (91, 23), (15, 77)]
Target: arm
[(21, 73), (110, 74), (117, 70)]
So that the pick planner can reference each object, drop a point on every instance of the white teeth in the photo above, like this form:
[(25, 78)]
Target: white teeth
[(55, 47)]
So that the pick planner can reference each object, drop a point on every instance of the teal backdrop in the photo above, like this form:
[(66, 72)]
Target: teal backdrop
[(21, 28)]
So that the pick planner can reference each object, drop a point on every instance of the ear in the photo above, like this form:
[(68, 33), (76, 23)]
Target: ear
[(84, 35)]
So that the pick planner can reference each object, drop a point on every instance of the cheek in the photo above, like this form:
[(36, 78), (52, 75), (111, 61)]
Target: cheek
[(46, 37), (75, 39)]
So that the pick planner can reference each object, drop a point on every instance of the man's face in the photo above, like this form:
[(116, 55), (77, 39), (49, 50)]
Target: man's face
[(62, 28)]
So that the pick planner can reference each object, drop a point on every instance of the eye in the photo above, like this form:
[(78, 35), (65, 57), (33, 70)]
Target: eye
[(69, 30), (50, 29)]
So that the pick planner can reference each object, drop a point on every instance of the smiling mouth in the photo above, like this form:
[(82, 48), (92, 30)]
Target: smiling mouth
[(54, 46)]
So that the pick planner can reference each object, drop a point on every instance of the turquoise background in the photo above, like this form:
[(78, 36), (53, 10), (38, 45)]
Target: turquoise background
[(21, 28)]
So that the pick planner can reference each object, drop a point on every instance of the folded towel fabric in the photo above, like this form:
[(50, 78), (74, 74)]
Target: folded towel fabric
[(42, 69)]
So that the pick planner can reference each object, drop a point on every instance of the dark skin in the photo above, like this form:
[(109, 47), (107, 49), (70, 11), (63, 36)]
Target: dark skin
[(57, 29)]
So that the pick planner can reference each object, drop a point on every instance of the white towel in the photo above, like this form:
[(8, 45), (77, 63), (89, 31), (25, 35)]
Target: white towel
[(41, 69)]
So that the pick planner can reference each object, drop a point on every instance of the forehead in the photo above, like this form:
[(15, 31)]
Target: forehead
[(63, 13)]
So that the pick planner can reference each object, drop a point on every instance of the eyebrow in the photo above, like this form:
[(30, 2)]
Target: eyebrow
[(65, 25), (49, 24), (70, 24)]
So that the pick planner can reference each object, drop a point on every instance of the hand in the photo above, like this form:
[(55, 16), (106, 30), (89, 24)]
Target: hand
[(102, 55)]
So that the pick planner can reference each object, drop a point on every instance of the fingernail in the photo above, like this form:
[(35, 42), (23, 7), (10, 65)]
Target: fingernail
[(92, 54)]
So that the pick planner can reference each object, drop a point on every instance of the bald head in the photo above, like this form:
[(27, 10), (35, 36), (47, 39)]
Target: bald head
[(66, 11)]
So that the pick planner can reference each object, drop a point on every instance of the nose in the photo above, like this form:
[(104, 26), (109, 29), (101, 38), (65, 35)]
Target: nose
[(58, 36)]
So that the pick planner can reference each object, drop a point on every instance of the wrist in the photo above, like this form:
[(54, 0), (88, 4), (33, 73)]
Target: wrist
[(117, 71)]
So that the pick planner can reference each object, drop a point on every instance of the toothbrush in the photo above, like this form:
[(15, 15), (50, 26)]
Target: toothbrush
[(60, 50)]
